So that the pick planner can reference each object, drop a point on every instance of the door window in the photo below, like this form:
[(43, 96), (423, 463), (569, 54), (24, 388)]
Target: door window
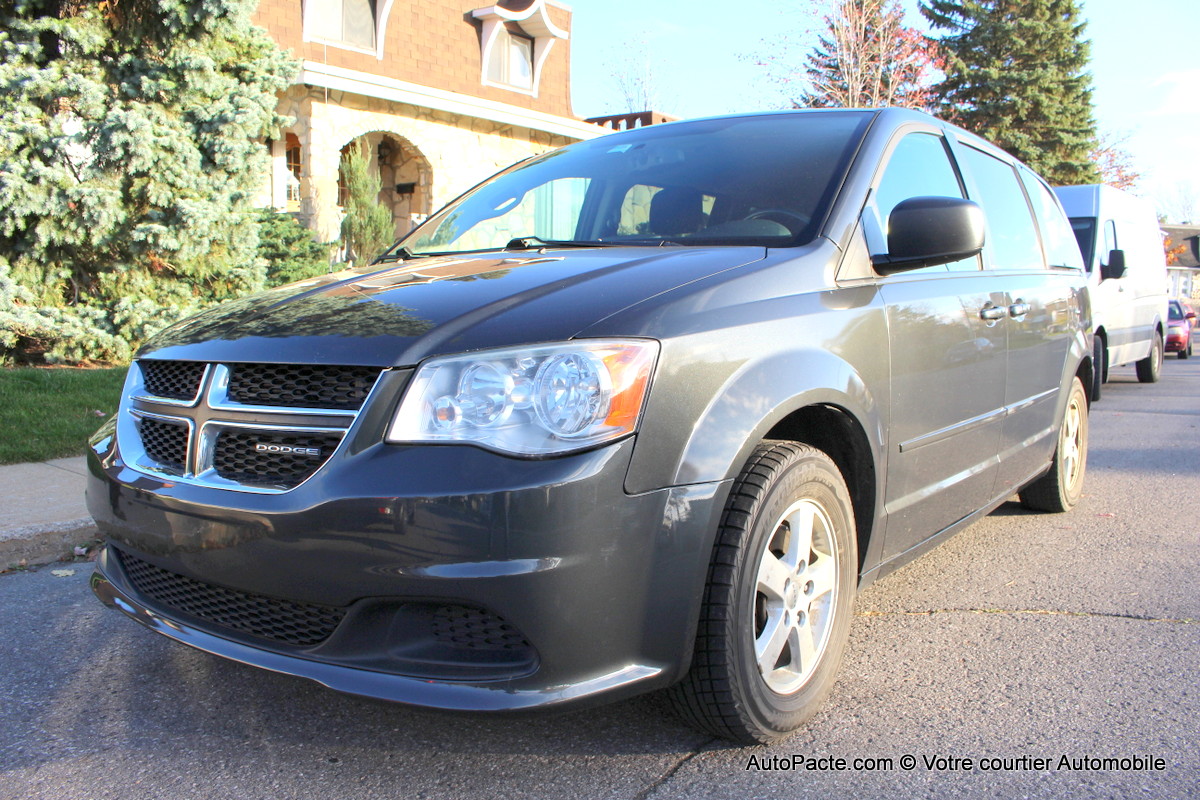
[(919, 167), (1110, 241)]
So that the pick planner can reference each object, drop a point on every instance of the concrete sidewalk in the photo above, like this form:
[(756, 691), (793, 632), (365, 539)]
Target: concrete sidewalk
[(42, 511)]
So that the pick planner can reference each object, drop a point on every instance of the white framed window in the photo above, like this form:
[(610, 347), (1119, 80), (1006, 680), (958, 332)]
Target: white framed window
[(514, 45), (348, 24), (511, 61)]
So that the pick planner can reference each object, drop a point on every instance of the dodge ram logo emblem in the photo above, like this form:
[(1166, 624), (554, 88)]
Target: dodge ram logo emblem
[(287, 449)]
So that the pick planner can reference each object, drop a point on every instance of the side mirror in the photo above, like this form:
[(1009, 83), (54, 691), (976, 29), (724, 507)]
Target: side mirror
[(927, 231), (1115, 268)]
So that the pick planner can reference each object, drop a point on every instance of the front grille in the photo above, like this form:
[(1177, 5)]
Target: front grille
[(174, 380), (281, 621), (475, 629), (257, 457), (165, 442), (225, 425), (301, 386)]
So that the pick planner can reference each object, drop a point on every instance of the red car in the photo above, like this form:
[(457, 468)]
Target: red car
[(1180, 318)]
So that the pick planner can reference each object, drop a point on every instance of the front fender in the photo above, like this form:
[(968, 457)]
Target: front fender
[(749, 397)]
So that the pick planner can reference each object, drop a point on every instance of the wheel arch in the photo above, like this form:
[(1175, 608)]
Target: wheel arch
[(837, 433)]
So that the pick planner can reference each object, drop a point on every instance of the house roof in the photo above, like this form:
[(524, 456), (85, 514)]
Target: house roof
[(1188, 235)]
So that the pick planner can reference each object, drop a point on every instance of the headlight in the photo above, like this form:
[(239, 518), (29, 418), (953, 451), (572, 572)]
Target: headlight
[(529, 401)]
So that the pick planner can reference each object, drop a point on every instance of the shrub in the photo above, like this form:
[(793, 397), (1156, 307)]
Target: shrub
[(289, 249)]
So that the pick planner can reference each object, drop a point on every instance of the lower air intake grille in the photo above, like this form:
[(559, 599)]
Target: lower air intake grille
[(269, 458), (301, 385), (174, 380), (165, 443), (279, 621), (478, 630)]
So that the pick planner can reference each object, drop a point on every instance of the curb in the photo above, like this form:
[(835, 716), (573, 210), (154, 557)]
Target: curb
[(46, 543)]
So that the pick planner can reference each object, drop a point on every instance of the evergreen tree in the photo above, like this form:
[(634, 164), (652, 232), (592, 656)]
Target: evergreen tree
[(1016, 73), (289, 249), (131, 147), (868, 58), (367, 228)]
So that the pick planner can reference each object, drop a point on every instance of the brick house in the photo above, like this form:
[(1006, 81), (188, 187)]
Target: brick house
[(443, 92)]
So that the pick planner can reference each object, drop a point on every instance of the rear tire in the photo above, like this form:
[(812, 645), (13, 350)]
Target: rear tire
[(1150, 367), (1060, 488), (778, 601)]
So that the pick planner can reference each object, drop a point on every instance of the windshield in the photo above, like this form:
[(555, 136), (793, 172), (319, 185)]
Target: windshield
[(765, 180), (1085, 234), (1174, 311)]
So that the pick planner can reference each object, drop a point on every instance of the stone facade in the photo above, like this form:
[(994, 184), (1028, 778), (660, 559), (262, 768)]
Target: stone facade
[(429, 141)]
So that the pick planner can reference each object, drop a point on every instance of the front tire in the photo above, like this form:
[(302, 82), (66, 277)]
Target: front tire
[(778, 601), (1187, 351), (1150, 367), (1060, 488)]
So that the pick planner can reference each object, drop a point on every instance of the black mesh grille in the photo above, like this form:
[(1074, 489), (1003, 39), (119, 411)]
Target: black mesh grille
[(476, 629), (175, 380), (301, 386), (265, 457), (280, 621), (165, 443)]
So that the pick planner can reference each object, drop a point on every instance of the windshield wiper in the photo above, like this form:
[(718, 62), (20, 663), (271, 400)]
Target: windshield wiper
[(535, 242), (399, 254)]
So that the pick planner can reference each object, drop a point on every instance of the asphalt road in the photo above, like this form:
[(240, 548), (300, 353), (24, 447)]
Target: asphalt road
[(1027, 635)]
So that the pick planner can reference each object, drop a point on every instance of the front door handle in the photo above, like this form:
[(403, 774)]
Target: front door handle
[(991, 313), (1018, 309)]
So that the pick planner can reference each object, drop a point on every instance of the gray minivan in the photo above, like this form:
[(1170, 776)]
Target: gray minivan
[(643, 412)]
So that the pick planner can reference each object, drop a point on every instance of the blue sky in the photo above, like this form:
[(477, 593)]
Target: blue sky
[(701, 53)]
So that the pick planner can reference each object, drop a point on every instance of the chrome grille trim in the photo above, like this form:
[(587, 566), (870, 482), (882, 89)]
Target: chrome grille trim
[(211, 413)]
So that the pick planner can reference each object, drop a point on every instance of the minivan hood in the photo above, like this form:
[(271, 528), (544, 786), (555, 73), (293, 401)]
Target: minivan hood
[(398, 315)]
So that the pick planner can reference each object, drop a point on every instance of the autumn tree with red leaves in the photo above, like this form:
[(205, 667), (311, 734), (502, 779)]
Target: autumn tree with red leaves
[(865, 58), (1114, 162)]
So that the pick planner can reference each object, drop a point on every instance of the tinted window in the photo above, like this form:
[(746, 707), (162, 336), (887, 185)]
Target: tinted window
[(1058, 239), (765, 180), (918, 167), (1085, 234), (1012, 241), (1174, 311)]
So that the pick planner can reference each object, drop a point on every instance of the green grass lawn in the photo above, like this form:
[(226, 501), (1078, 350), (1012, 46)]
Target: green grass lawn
[(50, 413)]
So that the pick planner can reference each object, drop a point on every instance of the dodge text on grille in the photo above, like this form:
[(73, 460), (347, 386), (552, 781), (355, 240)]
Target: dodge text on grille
[(283, 448)]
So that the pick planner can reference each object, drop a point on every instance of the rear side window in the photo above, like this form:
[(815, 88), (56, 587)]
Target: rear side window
[(1012, 240), (1062, 249)]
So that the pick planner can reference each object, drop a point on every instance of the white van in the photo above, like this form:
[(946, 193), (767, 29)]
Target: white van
[(1127, 271)]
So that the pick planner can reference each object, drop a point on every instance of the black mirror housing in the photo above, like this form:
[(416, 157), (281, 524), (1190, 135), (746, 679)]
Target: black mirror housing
[(1115, 268), (927, 231)]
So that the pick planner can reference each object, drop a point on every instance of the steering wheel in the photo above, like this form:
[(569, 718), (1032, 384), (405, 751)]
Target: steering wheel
[(781, 215)]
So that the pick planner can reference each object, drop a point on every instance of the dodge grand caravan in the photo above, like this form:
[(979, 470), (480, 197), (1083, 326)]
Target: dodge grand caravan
[(643, 412)]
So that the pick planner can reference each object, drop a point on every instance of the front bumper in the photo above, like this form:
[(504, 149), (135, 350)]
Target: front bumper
[(602, 587)]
